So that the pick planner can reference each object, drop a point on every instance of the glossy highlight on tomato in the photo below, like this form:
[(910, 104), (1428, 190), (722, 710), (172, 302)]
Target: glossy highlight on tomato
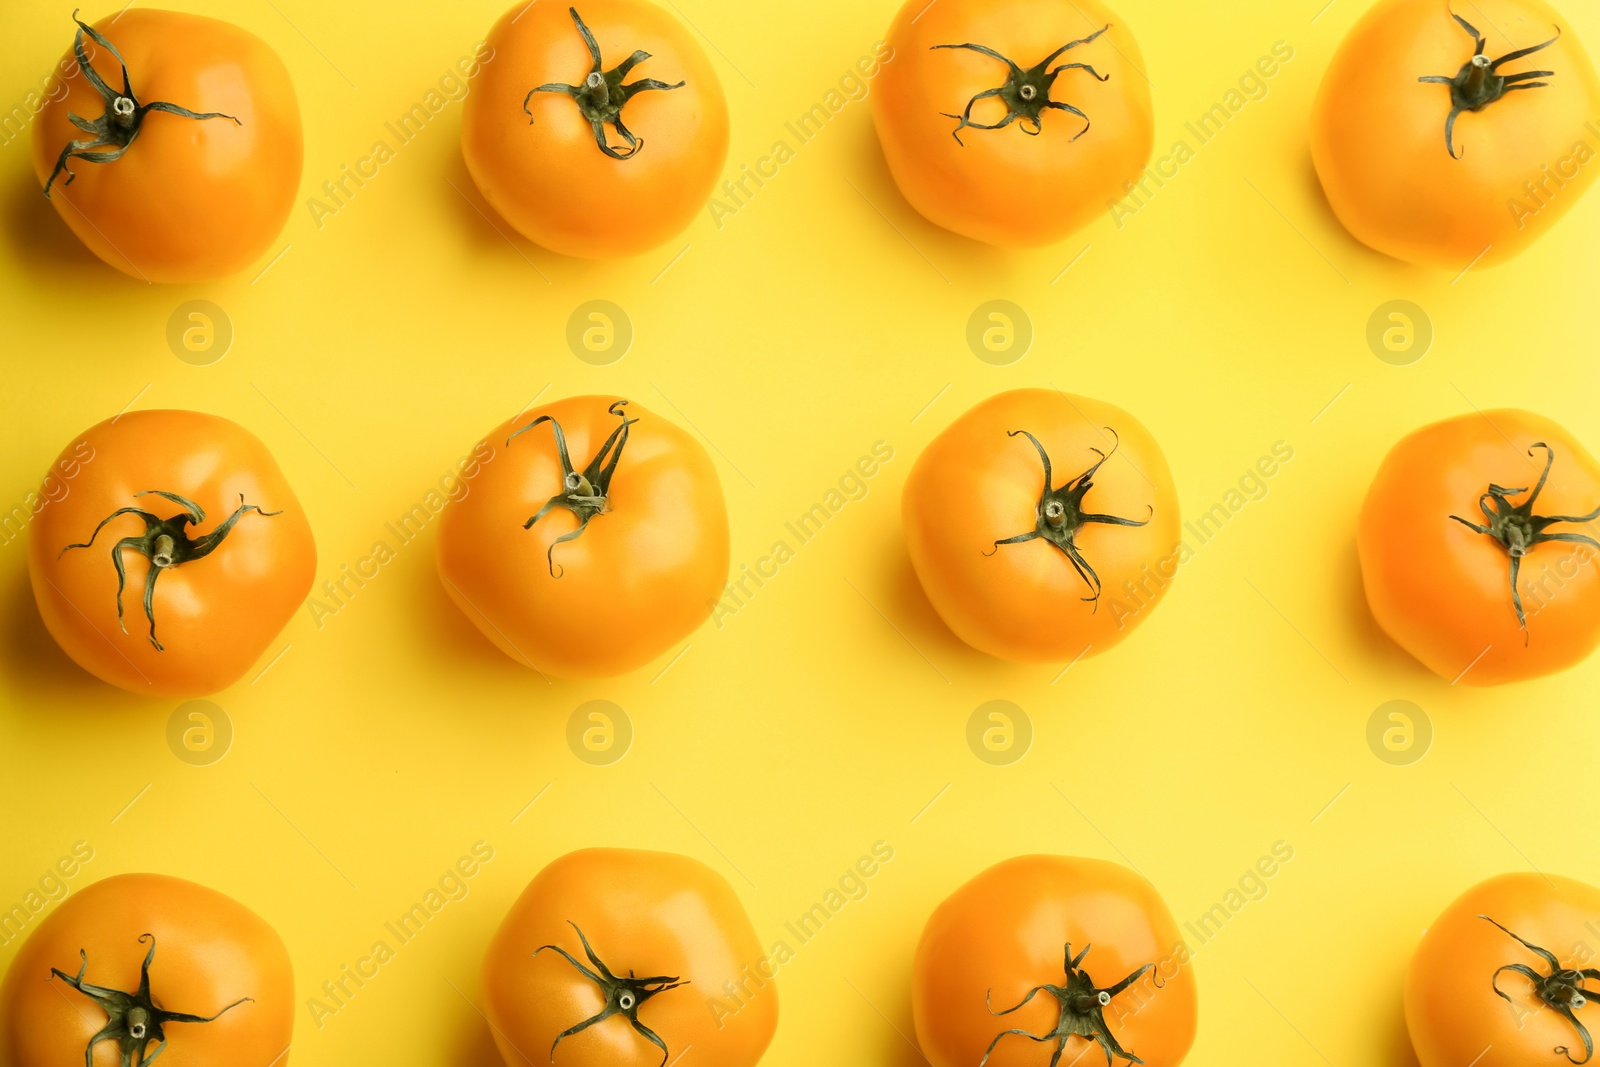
[(627, 958), (140, 966), (1477, 547), (189, 177), (599, 128), (1456, 133), (1042, 526), (1012, 122), (176, 555), (1053, 958), (592, 538)]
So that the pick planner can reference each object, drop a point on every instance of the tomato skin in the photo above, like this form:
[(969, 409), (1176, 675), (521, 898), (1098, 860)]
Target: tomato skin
[(547, 177), (974, 485), (654, 913), (210, 950), (640, 578), (191, 200), (1443, 592), (1004, 932), (1452, 1012), (214, 615), (1378, 143), (1004, 187)]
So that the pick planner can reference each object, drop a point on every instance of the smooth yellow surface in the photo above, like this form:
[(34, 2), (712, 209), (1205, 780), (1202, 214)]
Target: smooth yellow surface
[(831, 709)]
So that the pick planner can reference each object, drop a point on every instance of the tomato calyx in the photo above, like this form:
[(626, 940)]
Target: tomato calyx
[(623, 995), (1061, 514), (116, 129), (1082, 1007), (1561, 990), (1026, 93), (1518, 529), (602, 95), (584, 493), (1479, 82), (165, 543), (133, 1020)]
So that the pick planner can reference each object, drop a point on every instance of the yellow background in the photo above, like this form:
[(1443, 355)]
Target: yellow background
[(823, 316)]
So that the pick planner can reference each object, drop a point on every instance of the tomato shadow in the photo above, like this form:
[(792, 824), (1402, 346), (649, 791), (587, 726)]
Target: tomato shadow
[(1317, 197), (460, 649), (474, 1046), (898, 1043), (908, 607), (1397, 272), (1396, 1050), (32, 664), (36, 234), (454, 638), (1377, 644), (493, 237), (951, 253)]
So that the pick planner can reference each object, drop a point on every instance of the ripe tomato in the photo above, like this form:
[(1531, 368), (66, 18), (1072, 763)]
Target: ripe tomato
[(622, 958), (578, 157), (183, 522), (1024, 563), (174, 154), (1500, 979), (1002, 975), (1012, 122), (1444, 133), (136, 963), (1476, 541), (592, 539)]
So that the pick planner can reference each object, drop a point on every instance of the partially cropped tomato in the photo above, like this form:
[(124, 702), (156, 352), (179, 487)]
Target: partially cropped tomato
[(597, 130), (143, 965), (1506, 976), (1043, 526), (1456, 133), (1012, 122), (623, 958), (592, 537), (174, 153), (1046, 959), (171, 555), (1478, 550)]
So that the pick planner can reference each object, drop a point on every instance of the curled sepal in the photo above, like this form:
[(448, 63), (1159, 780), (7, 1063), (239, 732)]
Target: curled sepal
[(120, 123), (1061, 514), (1518, 529), (623, 995), (602, 95), (582, 493), (165, 543), (1479, 82), (132, 1019), (1081, 1011), (1562, 989), (1026, 93)]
